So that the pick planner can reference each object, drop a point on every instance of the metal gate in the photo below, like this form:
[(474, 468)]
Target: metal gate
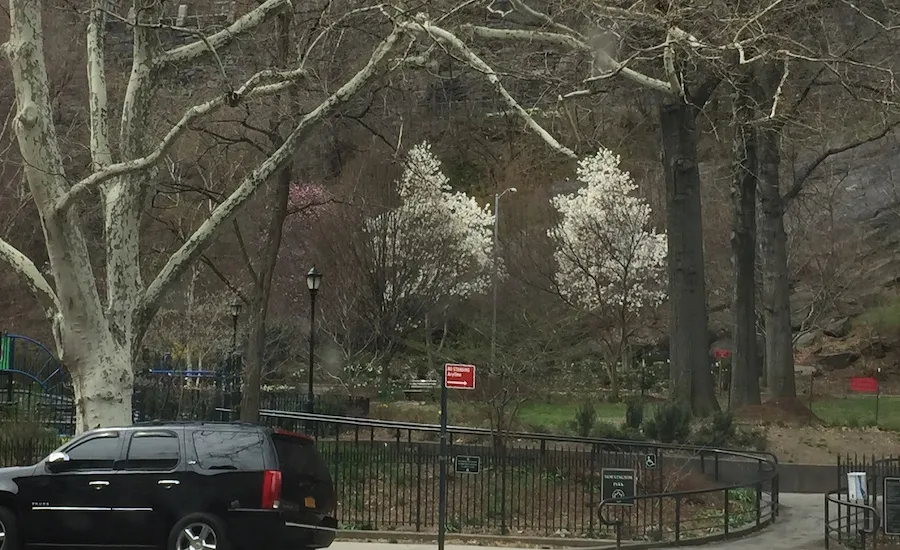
[(34, 387)]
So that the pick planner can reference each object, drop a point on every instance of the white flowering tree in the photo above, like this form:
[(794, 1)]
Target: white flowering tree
[(610, 262), (429, 252)]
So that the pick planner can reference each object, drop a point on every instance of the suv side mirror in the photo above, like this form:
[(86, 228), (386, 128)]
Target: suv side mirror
[(56, 461)]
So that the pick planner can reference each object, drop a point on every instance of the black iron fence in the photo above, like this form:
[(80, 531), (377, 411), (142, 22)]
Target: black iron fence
[(872, 520), (850, 524), (386, 476)]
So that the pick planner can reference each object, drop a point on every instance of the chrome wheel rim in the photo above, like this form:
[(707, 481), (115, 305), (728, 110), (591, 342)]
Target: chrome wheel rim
[(2, 536), (197, 536)]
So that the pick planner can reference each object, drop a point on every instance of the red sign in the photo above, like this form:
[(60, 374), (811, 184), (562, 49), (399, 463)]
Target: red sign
[(460, 377), (720, 353), (864, 384)]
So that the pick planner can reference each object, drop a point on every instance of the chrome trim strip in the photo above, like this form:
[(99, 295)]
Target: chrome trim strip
[(87, 509), (307, 526)]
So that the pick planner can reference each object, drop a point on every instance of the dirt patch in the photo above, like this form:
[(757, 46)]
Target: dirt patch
[(789, 412), (820, 445)]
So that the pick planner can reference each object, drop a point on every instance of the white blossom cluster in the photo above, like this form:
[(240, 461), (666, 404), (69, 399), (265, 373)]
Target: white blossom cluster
[(437, 243), (607, 255)]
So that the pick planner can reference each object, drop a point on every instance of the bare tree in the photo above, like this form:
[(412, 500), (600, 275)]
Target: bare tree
[(98, 339)]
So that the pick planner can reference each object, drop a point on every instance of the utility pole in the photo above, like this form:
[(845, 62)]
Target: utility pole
[(496, 271)]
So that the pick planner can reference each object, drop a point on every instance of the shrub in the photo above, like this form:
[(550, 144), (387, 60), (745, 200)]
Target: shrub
[(585, 420), (722, 431), (670, 423)]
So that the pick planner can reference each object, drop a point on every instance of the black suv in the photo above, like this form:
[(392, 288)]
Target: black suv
[(179, 486)]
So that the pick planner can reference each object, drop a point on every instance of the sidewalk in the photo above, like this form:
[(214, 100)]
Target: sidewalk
[(801, 525)]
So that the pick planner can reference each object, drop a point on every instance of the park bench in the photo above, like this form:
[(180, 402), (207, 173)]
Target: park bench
[(418, 388)]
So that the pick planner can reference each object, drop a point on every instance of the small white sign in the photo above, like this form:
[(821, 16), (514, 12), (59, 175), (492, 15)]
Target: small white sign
[(856, 486)]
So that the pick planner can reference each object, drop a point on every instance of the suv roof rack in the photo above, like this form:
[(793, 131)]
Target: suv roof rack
[(241, 423)]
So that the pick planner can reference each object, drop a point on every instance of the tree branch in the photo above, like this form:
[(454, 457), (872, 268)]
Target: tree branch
[(448, 38), (251, 89), (242, 25), (201, 238), (557, 39), (801, 176), (101, 154), (36, 282)]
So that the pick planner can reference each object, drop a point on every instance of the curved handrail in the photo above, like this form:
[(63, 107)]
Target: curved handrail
[(759, 456), (832, 496)]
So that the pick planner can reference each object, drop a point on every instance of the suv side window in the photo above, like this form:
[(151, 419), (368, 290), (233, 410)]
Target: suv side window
[(155, 451), (229, 450), (97, 453)]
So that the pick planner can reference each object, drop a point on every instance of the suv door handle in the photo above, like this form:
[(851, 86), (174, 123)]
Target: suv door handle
[(98, 484), (168, 483)]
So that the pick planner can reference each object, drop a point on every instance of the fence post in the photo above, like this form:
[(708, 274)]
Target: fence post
[(726, 513), (759, 504), (590, 491), (418, 488), (677, 518), (827, 533)]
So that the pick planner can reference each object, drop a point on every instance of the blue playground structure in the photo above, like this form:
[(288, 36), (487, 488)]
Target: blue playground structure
[(33, 385)]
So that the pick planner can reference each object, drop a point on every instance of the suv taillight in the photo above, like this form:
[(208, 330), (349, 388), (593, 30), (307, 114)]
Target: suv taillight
[(271, 490)]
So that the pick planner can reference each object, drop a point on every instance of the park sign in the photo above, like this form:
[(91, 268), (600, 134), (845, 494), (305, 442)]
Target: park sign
[(460, 377), (891, 504), (864, 384), (618, 486)]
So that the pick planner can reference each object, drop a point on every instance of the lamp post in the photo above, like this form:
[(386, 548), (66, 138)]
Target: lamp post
[(313, 282), (228, 379), (497, 197)]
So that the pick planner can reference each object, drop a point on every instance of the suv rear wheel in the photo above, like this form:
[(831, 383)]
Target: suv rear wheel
[(8, 533), (197, 532)]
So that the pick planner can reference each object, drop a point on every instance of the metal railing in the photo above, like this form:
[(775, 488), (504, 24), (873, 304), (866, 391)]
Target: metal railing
[(533, 484), (850, 524)]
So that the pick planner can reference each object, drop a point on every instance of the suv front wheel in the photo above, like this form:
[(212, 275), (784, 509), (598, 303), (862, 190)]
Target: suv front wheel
[(197, 532), (8, 533)]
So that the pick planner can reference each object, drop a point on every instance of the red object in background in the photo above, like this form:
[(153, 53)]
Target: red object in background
[(460, 377), (864, 384), (720, 353)]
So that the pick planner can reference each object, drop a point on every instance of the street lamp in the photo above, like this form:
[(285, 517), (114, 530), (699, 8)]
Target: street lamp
[(313, 282), (228, 379), (497, 197)]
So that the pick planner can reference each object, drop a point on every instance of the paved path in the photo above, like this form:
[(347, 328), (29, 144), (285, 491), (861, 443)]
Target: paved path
[(799, 527)]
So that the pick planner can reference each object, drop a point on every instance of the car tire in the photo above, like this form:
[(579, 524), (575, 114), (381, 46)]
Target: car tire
[(9, 529), (208, 528)]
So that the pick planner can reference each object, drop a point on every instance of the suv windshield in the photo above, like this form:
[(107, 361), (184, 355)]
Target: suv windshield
[(303, 472)]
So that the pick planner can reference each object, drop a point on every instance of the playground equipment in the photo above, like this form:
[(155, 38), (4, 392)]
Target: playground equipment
[(33, 385)]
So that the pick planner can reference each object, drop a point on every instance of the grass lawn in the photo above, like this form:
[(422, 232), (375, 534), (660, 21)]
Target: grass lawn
[(857, 411), (558, 415)]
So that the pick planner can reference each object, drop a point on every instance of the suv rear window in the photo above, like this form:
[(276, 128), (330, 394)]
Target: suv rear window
[(304, 473), (229, 450)]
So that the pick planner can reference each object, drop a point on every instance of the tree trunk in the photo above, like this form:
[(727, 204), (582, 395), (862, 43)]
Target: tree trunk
[(262, 288), (102, 378), (777, 293), (744, 363), (691, 377)]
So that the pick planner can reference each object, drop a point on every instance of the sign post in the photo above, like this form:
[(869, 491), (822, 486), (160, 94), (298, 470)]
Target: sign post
[(461, 377), (867, 384)]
